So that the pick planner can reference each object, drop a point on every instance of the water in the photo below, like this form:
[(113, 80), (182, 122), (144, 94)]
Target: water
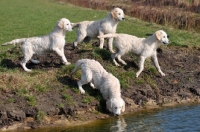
[(171, 119)]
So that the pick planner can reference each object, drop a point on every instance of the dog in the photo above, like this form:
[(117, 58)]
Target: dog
[(55, 41), (91, 29), (98, 77), (143, 47)]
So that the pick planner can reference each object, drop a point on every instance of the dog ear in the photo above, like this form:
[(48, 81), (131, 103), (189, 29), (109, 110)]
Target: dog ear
[(158, 35), (114, 13), (109, 105), (123, 105), (61, 24)]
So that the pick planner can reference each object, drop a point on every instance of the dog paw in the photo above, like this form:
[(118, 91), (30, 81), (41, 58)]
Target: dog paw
[(116, 64), (112, 51), (124, 63), (82, 91), (28, 70), (137, 75), (162, 74), (67, 63)]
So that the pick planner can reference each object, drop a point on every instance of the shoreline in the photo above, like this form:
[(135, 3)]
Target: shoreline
[(65, 123)]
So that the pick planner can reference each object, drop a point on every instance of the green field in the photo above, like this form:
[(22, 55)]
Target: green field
[(26, 18)]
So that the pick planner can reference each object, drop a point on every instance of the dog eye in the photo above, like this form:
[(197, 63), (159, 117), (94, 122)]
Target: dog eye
[(119, 14), (115, 107)]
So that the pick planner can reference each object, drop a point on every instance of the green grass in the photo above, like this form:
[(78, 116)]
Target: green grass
[(26, 18)]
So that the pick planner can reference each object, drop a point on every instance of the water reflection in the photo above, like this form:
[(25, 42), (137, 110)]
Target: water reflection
[(120, 125)]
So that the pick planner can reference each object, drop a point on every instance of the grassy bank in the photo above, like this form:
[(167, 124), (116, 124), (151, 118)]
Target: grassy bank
[(27, 18)]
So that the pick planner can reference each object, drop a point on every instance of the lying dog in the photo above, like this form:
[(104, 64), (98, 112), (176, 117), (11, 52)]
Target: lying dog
[(91, 29), (143, 47), (54, 41), (98, 77)]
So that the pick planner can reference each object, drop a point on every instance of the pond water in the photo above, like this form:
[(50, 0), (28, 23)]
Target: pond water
[(168, 119)]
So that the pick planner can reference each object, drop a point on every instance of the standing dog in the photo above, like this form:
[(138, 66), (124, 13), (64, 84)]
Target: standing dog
[(98, 77), (55, 41), (91, 29), (143, 47)]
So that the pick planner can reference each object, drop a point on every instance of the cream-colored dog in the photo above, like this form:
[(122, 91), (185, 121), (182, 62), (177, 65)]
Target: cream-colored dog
[(55, 41), (91, 29), (143, 47), (98, 77)]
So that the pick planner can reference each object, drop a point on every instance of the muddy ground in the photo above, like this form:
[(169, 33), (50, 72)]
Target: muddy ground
[(180, 85)]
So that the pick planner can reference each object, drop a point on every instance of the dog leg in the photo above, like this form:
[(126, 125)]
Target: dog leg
[(80, 37), (141, 65), (62, 55), (27, 52), (92, 85), (110, 45), (85, 78), (155, 60), (80, 87), (113, 56), (101, 40), (35, 61), (122, 61), (23, 64)]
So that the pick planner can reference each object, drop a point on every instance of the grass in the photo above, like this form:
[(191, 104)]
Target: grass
[(38, 17), (40, 116)]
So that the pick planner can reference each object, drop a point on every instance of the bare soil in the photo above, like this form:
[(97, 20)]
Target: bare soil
[(180, 85)]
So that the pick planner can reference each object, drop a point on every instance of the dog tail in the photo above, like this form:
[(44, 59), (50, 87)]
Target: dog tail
[(107, 36), (74, 25), (77, 65), (15, 41)]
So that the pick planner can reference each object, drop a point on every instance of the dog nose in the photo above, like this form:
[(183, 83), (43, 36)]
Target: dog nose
[(117, 114), (123, 18)]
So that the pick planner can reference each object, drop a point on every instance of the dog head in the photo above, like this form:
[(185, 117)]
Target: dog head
[(162, 37), (118, 14), (64, 24), (115, 105)]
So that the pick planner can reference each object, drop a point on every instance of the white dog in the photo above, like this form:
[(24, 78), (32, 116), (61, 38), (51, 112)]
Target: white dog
[(98, 77), (144, 47), (54, 41), (91, 29)]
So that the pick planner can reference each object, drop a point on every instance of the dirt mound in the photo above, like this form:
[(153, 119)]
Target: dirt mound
[(181, 83)]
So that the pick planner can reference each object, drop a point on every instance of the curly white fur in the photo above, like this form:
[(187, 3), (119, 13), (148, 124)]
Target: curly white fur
[(54, 41), (91, 29), (143, 47), (98, 77)]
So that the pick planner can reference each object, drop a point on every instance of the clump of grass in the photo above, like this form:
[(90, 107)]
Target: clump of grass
[(87, 99), (152, 70), (31, 100), (40, 116), (68, 98), (125, 78), (22, 92), (11, 100), (61, 105), (76, 90), (139, 81), (40, 88), (150, 81)]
